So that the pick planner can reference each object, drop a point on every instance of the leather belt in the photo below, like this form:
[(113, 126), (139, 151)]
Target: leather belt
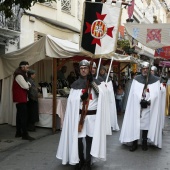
[(89, 112)]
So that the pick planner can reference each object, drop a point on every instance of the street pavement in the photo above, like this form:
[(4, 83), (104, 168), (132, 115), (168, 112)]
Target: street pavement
[(40, 154)]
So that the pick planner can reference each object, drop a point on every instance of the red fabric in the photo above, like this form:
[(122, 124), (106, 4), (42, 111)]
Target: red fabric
[(164, 84), (122, 30), (153, 34), (90, 96), (163, 52), (131, 9), (19, 94)]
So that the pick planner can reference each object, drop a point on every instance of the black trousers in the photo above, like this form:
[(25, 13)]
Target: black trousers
[(33, 115), (88, 148), (21, 118), (144, 134)]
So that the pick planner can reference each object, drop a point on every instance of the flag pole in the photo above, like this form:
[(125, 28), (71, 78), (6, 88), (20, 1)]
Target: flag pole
[(118, 4), (98, 68), (109, 70)]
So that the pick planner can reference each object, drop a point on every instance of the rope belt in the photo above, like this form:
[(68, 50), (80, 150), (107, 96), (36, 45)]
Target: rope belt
[(89, 112)]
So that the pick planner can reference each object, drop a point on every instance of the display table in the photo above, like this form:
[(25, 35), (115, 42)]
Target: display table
[(46, 111)]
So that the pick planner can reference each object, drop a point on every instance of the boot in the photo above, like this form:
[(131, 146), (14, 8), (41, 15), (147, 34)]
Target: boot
[(79, 166), (87, 165), (134, 146), (144, 145), (27, 137), (18, 134)]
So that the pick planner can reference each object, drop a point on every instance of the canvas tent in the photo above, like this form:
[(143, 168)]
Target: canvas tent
[(46, 47)]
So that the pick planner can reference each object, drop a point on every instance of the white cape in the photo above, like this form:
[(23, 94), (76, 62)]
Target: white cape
[(113, 111), (68, 144), (131, 124)]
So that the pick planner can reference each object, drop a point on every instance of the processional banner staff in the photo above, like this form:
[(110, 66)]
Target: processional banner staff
[(99, 33), (99, 28)]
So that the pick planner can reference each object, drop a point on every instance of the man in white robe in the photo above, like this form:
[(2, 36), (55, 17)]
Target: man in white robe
[(71, 147), (143, 112)]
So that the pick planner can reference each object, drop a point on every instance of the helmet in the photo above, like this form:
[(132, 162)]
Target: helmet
[(154, 68), (145, 64), (84, 63)]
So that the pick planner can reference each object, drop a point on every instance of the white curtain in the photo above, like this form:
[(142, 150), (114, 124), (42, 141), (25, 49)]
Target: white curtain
[(43, 70), (7, 107)]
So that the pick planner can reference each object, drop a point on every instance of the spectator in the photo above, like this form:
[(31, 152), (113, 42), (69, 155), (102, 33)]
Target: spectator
[(20, 89), (61, 73), (71, 78), (127, 89), (33, 116), (119, 98)]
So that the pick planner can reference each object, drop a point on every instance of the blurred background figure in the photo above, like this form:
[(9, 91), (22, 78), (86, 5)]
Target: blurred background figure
[(154, 71), (127, 89), (33, 115), (103, 73), (61, 79), (167, 107), (115, 83), (119, 98), (61, 73), (71, 78)]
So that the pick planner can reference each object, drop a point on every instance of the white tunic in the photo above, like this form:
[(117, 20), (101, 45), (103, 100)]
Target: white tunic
[(145, 114)]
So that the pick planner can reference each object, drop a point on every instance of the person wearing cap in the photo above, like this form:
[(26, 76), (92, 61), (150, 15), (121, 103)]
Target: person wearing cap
[(142, 112), (33, 115), (71, 148), (20, 89)]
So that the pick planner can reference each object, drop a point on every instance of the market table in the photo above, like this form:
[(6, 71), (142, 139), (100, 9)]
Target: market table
[(46, 110)]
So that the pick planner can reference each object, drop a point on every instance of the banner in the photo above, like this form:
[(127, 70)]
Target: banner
[(100, 28), (153, 36), (131, 9), (163, 52)]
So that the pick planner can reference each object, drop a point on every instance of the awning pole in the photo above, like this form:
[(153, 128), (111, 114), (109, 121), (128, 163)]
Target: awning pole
[(54, 94)]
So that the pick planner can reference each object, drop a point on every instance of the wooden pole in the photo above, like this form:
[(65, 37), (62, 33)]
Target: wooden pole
[(113, 1), (54, 94), (123, 3)]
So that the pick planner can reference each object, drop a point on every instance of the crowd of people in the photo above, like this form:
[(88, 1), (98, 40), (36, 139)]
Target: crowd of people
[(140, 99), (92, 108)]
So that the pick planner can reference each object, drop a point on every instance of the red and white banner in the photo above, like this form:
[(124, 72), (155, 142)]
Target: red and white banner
[(100, 26)]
